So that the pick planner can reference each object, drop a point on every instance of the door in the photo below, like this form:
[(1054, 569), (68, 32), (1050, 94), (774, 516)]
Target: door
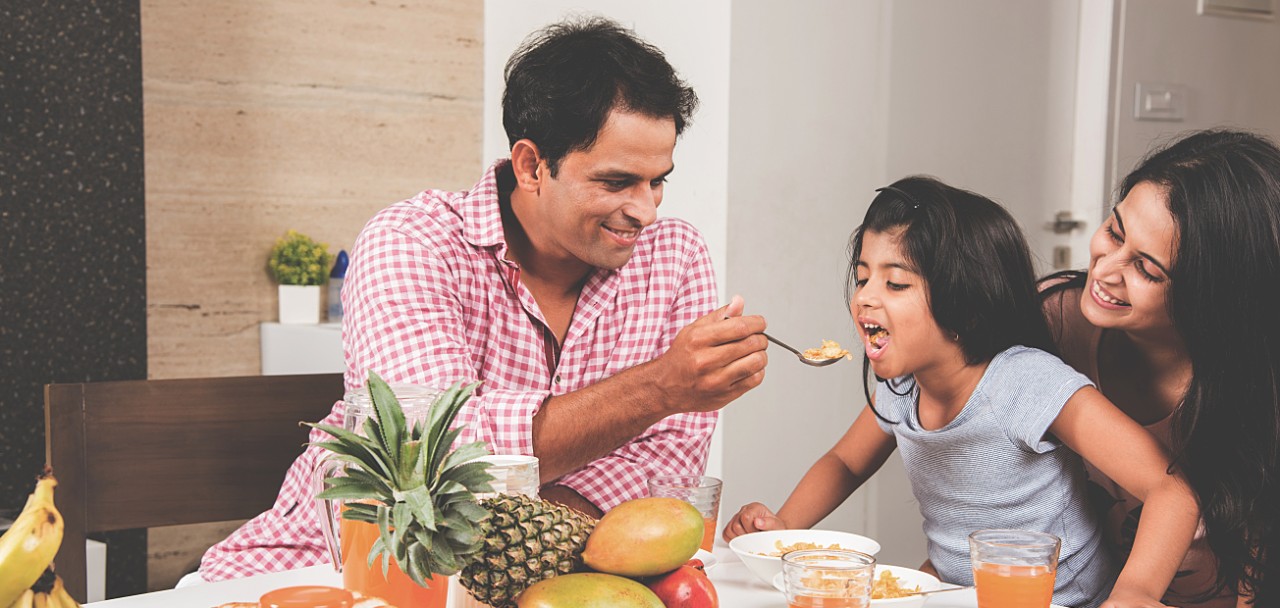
[(984, 95), (1220, 68)]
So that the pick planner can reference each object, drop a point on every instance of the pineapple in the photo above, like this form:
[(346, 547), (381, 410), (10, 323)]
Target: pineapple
[(412, 484), (526, 540), (421, 494)]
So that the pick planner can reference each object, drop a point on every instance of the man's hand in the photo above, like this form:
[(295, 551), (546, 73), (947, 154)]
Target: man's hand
[(714, 360), (753, 517)]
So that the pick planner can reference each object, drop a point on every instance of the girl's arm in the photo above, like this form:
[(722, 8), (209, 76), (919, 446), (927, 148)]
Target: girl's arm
[(1129, 455), (854, 459)]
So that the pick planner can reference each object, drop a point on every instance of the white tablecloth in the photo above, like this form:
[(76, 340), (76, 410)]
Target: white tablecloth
[(735, 585)]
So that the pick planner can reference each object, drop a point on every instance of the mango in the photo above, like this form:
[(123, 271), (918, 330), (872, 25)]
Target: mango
[(588, 590), (645, 537)]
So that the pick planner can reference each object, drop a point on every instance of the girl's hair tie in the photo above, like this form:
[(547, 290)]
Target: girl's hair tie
[(915, 204)]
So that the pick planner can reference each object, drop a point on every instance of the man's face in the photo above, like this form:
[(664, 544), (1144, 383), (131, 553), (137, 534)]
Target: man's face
[(601, 198)]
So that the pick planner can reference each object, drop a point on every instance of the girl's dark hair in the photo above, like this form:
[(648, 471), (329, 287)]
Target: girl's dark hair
[(974, 258), (1223, 189), (564, 80)]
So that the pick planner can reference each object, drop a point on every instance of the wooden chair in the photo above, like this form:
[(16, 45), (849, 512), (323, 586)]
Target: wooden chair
[(144, 453)]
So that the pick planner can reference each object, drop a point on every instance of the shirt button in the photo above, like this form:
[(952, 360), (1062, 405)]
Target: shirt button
[(557, 378)]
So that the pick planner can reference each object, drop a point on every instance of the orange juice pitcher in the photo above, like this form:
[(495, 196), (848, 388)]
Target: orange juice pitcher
[(349, 541)]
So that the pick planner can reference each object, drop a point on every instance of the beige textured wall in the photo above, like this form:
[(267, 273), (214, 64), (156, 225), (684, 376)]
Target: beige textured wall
[(266, 115)]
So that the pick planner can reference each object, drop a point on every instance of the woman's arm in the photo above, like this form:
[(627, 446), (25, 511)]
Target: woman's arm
[(1129, 455), (855, 458)]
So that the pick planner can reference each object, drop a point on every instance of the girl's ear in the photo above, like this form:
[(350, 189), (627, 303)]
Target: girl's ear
[(528, 165)]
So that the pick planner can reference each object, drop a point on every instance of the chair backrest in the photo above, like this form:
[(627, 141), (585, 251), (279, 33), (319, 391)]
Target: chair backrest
[(144, 453)]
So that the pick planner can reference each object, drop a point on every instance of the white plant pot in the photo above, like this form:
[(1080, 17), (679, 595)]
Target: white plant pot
[(299, 304)]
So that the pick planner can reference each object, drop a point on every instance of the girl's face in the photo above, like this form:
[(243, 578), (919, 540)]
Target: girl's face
[(1129, 261), (891, 309)]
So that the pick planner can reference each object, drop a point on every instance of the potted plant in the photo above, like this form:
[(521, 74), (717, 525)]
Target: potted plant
[(300, 265)]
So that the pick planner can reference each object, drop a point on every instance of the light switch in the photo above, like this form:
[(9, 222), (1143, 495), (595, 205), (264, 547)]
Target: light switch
[(1160, 102)]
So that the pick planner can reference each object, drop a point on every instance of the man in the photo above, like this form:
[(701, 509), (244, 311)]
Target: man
[(587, 320)]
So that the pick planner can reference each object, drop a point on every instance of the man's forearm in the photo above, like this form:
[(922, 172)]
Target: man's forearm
[(573, 429)]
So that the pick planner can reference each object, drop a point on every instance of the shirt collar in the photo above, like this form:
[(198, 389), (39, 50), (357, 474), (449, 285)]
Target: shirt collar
[(480, 209)]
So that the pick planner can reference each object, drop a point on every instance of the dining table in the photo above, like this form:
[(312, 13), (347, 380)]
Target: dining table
[(735, 585)]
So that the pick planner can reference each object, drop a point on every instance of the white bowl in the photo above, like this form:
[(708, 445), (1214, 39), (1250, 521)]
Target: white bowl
[(753, 548), (906, 577), (708, 558)]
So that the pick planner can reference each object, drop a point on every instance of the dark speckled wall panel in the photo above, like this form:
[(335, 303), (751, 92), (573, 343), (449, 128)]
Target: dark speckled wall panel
[(72, 231)]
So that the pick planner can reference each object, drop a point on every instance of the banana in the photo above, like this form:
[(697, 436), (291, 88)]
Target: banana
[(30, 544), (24, 600), (59, 598), (41, 600)]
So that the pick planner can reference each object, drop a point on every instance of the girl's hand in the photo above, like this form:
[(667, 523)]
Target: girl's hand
[(753, 518), (1127, 598)]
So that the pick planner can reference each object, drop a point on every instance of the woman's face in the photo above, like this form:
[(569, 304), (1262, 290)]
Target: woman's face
[(1129, 260)]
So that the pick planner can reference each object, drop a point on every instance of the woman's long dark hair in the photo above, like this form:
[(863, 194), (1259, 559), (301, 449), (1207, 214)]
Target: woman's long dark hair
[(973, 256), (1223, 189)]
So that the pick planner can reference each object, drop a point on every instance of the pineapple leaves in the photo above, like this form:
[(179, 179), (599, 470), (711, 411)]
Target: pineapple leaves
[(473, 477), (347, 488), (412, 483), (418, 501), (387, 409)]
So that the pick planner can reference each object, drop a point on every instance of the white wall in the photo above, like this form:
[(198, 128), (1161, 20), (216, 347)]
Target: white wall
[(806, 135)]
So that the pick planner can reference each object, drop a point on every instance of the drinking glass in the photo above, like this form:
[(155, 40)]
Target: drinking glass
[(1014, 568), (828, 578), (698, 490)]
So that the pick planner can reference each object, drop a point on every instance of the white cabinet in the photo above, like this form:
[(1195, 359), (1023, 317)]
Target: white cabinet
[(301, 349)]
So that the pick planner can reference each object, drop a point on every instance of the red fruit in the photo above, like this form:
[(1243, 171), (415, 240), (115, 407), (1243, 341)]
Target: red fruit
[(685, 587)]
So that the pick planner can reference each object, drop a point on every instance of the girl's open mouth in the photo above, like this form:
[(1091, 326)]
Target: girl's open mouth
[(877, 339)]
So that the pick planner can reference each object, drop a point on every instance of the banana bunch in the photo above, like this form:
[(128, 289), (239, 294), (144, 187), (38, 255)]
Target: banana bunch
[(27, 549), (47, 592)]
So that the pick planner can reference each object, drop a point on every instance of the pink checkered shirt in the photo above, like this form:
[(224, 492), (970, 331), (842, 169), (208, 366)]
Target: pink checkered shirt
[(430, 299)]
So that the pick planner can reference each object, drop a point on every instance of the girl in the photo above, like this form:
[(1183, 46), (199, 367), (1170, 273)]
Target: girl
[(945, 301), (1175, 322)]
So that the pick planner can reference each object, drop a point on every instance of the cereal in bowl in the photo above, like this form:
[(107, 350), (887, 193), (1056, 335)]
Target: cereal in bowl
[(800, 546), (886, 587)]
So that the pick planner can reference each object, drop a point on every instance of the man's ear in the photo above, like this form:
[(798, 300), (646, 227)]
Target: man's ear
[(526, 163)]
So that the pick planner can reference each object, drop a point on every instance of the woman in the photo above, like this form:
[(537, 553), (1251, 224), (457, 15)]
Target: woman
[(1177, 321)]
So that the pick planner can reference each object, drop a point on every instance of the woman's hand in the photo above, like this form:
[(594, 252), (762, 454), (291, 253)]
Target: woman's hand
[(753, 517)]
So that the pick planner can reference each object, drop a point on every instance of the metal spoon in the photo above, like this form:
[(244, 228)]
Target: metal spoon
[(933, 591), (800, 355)]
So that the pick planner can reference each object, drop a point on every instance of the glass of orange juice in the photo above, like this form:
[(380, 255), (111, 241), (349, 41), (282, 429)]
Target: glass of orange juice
[(1014, 568), (828, 578), (698, 490)]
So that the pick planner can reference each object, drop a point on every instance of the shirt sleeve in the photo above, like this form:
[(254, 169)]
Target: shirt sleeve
[(1040, 385), (677, 444), (403, 320)]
